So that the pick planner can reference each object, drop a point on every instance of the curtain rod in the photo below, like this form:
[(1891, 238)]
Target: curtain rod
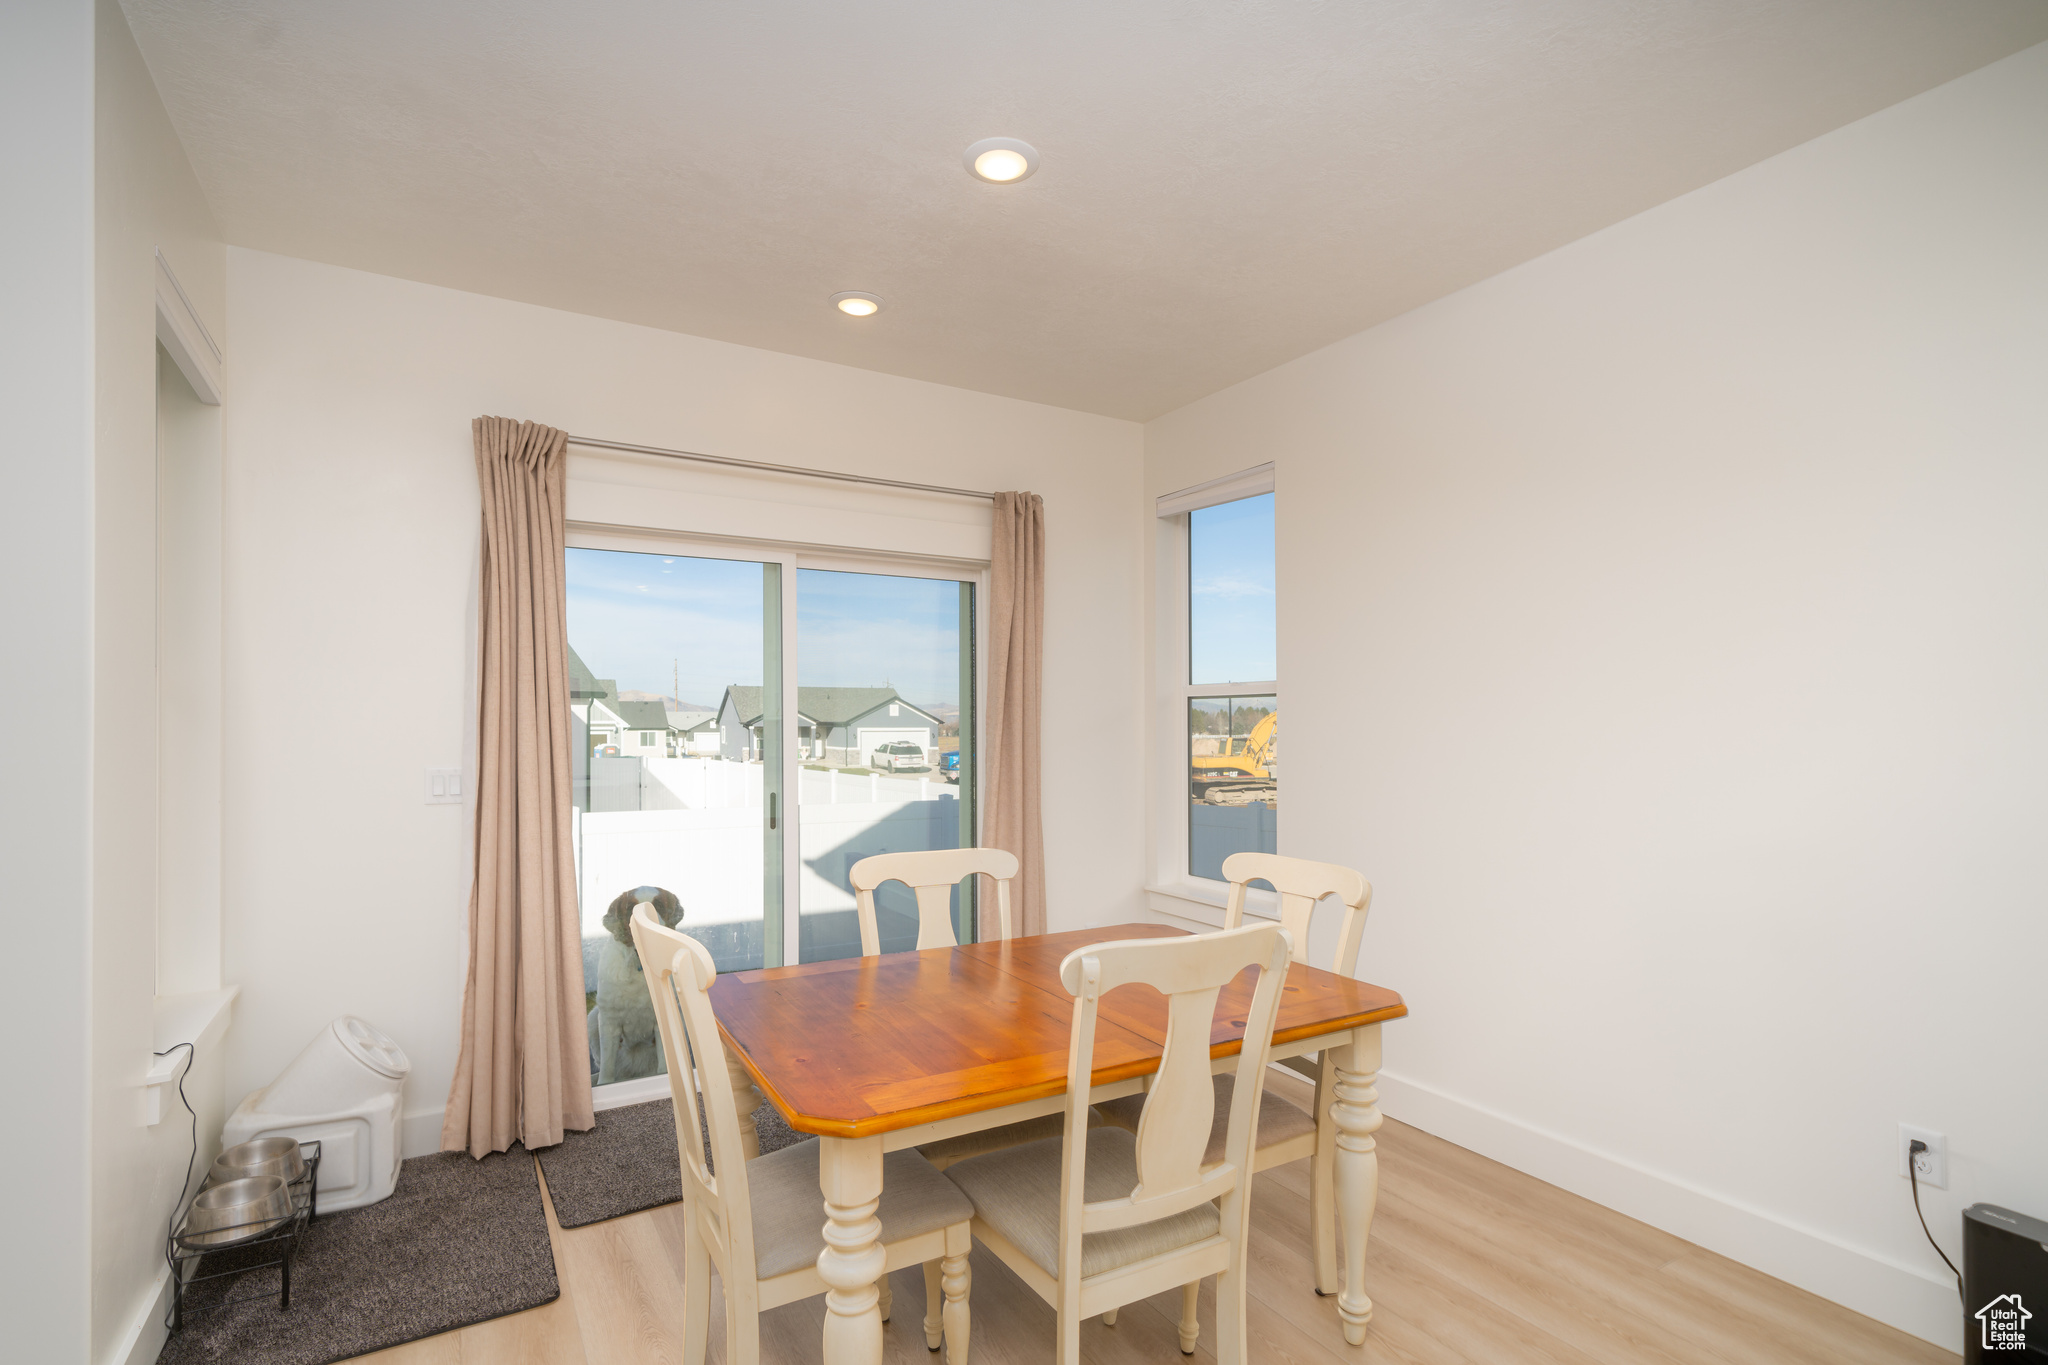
[(774, 468)]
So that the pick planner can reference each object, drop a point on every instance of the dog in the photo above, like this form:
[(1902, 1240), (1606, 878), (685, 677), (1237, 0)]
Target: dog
[(625, 1042)]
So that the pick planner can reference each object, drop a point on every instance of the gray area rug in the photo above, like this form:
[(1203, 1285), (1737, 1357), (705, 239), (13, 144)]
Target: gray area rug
[(459, 1241), (629, 1162)]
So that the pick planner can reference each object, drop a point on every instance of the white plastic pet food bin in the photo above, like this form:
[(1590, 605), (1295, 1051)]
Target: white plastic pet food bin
[(343, 1090)]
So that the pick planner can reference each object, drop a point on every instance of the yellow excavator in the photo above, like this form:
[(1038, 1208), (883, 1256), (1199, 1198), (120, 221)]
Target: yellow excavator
[(1245, 772)]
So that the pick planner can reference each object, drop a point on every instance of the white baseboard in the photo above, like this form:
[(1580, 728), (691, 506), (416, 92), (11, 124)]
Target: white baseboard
[(419, 1132), (1898, 1295), (144, 1339), (619, 1094), (1873, 1285)]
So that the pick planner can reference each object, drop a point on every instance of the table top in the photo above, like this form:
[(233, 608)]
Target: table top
[(865, 1045)]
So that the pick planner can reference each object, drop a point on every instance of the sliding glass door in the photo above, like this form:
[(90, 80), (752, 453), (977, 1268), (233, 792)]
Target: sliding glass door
[(675, 693), (885, 699), (706, 686)]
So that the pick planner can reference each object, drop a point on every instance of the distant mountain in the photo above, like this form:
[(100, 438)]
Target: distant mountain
[(945, 711), (668, 703)]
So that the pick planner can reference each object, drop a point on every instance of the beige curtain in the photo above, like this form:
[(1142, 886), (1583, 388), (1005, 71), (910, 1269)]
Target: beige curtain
[(1016, 649), (524, 1069)]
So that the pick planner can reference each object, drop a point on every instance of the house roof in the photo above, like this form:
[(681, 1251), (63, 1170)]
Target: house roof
[(824, 705), (587, 686), (642, 715), (693, 719)]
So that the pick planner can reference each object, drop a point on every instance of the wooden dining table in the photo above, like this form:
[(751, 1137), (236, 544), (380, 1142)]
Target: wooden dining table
[(874, 1054)]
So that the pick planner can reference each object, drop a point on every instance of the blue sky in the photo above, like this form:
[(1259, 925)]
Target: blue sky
[(641, 618), (868, 630), (1231, 634)]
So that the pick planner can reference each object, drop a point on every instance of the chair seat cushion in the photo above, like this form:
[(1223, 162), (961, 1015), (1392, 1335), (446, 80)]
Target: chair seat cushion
[(789, 1210), (1017, 1193), (1279, 1121)]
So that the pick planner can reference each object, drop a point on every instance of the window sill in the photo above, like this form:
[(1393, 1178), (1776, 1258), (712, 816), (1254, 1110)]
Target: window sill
[(1203, 901), (198, 1018)]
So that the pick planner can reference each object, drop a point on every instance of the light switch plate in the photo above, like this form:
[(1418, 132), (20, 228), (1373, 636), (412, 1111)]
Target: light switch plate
[(444, 786)]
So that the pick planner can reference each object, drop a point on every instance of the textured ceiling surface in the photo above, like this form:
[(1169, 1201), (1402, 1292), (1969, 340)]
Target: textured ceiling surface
[(1224, 186)]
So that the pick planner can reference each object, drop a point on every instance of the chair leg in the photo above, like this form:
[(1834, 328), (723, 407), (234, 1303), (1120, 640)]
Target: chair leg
[(696, 1291), (1109, 1318), (1069, 1340), (742, 1328), (884, 1298), (955, 1276), (933, 1331), (1232, 1347), (1190, 1329)]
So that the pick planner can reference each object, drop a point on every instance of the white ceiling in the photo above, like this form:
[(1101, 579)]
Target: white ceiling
[(1224, 186)]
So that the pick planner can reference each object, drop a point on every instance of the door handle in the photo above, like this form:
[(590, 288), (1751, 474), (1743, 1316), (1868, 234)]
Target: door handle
[(771, 809)]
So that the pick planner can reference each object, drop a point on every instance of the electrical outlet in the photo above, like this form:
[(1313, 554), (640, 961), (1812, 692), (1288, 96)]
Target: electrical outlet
[(444, 786), (1931, 1165)]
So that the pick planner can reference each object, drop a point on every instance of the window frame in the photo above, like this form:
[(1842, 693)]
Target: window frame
[(595, 536), (1172, 889)]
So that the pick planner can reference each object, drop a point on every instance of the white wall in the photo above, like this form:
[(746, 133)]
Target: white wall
[(190, 741), (1663, 632), (352, 562), (146, 199), (46, 366)]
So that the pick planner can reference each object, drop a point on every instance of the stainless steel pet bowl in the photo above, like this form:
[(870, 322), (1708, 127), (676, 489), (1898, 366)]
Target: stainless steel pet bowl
[(264, 1156), (236, 1210)]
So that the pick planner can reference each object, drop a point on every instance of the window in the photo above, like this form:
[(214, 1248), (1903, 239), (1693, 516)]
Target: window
[(820, 689), (1220, 674)]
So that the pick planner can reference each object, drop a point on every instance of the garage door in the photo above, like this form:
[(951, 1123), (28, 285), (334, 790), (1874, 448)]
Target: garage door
[(872, 739)]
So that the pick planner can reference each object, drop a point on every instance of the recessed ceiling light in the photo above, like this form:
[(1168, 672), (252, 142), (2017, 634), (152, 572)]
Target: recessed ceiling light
[(1001, 160), (855, 304)]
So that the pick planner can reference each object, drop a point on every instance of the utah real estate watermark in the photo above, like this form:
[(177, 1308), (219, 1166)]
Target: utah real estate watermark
[(2004, 1321)]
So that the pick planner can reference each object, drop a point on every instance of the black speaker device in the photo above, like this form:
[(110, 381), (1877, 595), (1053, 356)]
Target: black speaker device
[(2005, 1287)]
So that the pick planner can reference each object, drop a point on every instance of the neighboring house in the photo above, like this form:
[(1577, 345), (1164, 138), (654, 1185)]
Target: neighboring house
[(594, 708), (841, 726), (739, 724), (696, 732), (644, 731), (599, 783)]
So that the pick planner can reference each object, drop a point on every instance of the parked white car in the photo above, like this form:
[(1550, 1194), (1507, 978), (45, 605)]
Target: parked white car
[(901, 757)]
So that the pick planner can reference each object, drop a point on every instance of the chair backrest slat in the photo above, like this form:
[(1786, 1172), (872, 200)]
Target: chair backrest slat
[(1301, 884), (932, 874), (1180, 1106), (1171, 1138), (679, 975)]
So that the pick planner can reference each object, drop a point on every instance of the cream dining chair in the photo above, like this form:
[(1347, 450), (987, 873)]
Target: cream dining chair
[(1101, 1217), (932, 874), (1285, 1133), (758, 1221)]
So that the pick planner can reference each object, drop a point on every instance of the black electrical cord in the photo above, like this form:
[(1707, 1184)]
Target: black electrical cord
[(178, 1206), (1914, 1149)]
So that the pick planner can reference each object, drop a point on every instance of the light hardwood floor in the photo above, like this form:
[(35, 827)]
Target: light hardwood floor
[(1471, 1263)]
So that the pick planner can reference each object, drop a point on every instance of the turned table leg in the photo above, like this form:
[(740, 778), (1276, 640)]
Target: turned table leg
[(746, 1099), (1355, 1108), (850, 1177)]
